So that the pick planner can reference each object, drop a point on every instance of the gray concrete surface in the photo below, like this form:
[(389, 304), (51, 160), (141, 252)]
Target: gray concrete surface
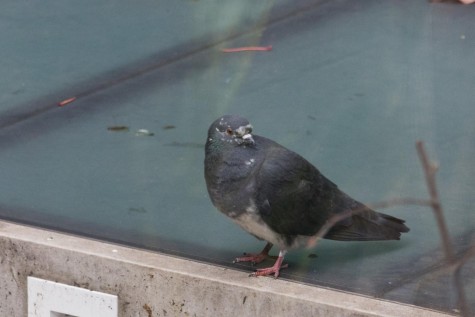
[(152, 284)]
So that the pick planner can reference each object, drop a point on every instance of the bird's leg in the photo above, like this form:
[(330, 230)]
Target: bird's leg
[(273, 269), (256, 258)]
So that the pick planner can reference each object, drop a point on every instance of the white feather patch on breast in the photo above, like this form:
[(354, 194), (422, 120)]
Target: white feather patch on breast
[(251, 222)]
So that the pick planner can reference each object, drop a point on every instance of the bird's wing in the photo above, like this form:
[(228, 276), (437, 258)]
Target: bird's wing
[(293, 197)]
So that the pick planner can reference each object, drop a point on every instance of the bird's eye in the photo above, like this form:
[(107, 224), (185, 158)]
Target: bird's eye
[(229, 131)]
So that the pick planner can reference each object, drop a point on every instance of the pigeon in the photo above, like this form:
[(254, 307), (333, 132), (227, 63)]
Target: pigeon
[(279, 197)]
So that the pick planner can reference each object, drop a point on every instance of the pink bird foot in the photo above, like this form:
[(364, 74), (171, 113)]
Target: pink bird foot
[(275, 269), (256, 258)]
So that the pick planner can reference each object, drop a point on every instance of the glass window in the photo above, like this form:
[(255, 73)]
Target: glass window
[(105, 106)]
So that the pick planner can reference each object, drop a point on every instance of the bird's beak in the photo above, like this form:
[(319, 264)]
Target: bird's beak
[(248, 138), (245, 133)]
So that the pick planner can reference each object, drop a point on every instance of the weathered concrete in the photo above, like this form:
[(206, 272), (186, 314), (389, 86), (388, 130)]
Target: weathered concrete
[(151, 284)]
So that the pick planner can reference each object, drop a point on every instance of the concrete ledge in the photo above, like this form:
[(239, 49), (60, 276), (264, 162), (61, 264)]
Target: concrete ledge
[(151, 284)]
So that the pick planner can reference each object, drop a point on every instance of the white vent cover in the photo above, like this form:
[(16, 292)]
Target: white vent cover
[(51, 299)]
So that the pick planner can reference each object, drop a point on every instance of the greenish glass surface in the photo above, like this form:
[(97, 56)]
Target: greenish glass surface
[(350, 85)]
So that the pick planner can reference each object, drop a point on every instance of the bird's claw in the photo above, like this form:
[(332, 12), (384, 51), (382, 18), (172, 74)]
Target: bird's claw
[(268, 271)]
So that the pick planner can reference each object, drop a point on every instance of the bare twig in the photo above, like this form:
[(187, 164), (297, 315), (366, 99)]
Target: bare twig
[(457, 275), (464, 258), (430, 170)]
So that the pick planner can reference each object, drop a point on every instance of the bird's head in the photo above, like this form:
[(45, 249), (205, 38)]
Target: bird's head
[(230, 129)]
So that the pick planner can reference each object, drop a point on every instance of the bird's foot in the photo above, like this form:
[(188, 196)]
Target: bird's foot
[(275, 269), (256, 258)]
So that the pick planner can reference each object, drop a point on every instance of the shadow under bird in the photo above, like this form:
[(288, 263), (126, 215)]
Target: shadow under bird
[(278, 196)]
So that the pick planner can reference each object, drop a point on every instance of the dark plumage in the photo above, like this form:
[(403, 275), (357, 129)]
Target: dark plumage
[(278, 196)]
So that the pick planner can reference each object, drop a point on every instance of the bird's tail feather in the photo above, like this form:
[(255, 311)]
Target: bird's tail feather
[(361, 228)]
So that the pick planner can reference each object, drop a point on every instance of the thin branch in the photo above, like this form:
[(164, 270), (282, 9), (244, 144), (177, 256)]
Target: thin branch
[(464, 258), (457, 276), (430, 170)]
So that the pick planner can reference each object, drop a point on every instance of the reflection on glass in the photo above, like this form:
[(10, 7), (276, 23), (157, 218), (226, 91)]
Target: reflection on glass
[(348, 85)]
